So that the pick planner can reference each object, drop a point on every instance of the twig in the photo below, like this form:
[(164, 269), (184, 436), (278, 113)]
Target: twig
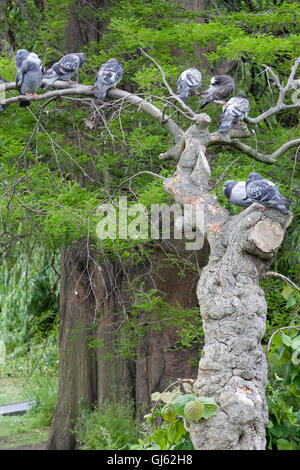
[(224, 173), (280, 106), (179, 100), (284, 278), (296, 327)]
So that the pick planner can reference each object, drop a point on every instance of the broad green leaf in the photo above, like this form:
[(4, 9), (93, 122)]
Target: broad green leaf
[(296, 342), (292, 300), (181, 401), (155, 396), (286, 292), (172, 433), (284, 444), (286, 339)]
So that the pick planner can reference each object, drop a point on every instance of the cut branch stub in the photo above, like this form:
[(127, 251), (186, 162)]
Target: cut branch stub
[(265, 238)]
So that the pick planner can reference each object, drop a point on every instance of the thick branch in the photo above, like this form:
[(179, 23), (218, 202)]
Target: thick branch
[(274, 110), (217, 139), (64, 89)]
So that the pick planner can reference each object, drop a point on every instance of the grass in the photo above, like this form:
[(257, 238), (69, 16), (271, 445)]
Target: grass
[(11, 390), (20, 430)]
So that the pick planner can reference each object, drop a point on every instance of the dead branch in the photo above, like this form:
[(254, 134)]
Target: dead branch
[(280, 106)]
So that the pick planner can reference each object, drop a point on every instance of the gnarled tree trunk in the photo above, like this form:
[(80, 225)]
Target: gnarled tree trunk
[(233, 368)]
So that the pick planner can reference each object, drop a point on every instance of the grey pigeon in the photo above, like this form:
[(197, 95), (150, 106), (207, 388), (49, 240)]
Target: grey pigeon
[(235, 191), (28, 80), (108, 76), (263, 191), (188, 82), (23, 54), (65, 68), (2, 89), (236, 109), (221, 88)]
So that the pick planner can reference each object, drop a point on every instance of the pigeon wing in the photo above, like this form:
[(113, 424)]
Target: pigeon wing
[(68, 64), (193, 78), (261, 190)]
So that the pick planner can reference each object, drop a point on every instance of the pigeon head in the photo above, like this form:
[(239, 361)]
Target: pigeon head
[(221, 80), (227, 187), (254, 177), (82, 57), (228, 183), (21, 52)]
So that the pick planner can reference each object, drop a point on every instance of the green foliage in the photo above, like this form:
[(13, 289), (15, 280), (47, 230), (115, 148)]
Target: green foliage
[(283, 391), (111, 427), (28, 298), (179, 409), (151, 312)]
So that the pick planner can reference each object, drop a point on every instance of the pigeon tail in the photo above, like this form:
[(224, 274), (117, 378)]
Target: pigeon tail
[(24, 104), (184, 94), (51, 81), (225, 126), (100, 92), (283, 209), (204, 103)]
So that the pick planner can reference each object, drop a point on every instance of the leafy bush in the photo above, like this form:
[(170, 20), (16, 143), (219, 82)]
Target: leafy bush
[(283, 391), (166, 427), (111, 427)]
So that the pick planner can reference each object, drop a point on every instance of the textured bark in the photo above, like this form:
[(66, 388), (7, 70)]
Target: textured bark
[(93, 299), (233, 368), (77, 375), (84, 26)]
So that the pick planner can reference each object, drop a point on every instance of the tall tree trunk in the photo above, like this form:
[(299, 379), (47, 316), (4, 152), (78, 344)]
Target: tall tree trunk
[(77, 373), (92, 302)]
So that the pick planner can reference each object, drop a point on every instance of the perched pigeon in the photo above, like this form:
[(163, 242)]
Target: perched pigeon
[(65, 68), (2, 89), (188, 81), (263, 191), (28, 80), (108, 76), (221, 88), (237, 108), (235, 191), (22, 55)]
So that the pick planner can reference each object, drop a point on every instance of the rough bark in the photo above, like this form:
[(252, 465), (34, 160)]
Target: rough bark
[(233, 368), (77, 374), (93, 299)]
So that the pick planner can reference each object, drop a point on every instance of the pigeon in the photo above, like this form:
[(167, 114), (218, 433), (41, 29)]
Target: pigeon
[(28, 80), (108, 76), (263, 191), (2, 90), (188, 81), (23, 54), (221, 87), (65, 68), (237, 108), (235, 191)]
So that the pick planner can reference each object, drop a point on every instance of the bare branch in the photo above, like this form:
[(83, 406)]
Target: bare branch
[(280, 106), (283, 278), (176, 97), (230, 140), (64, 89)]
